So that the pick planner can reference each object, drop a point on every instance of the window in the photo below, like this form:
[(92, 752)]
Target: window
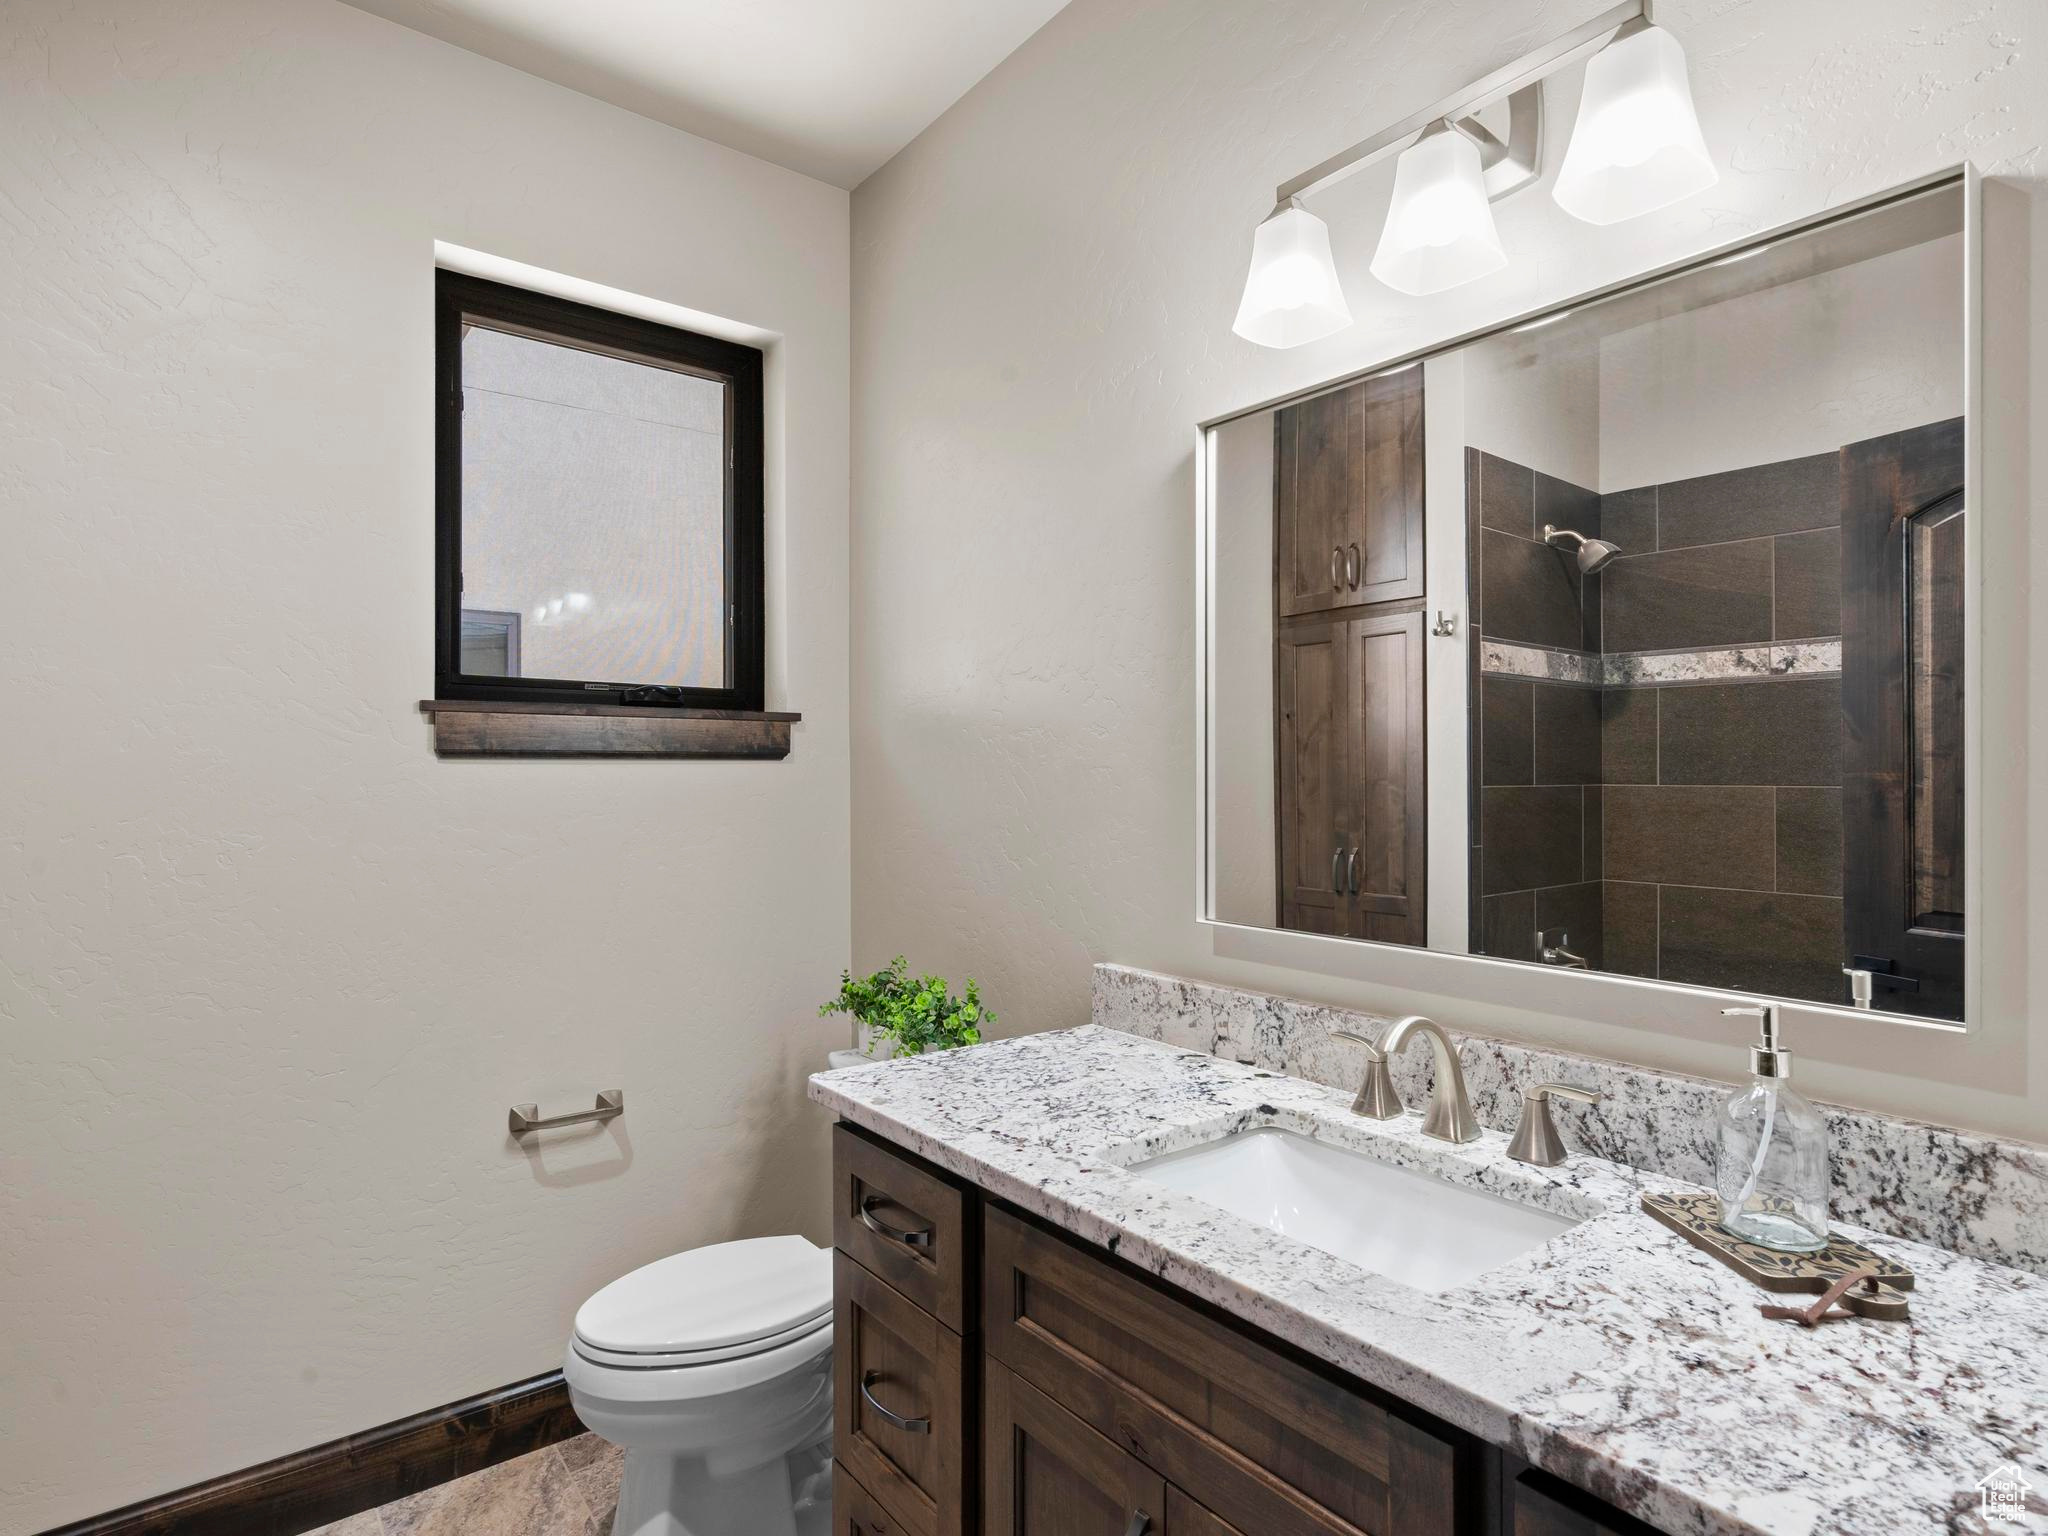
[(599, 505)]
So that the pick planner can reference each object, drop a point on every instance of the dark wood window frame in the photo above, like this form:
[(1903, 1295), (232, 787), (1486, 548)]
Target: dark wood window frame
[(739, 367)]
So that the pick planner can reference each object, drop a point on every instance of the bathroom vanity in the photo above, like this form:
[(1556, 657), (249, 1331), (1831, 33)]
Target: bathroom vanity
[(1091, 1397), (1061, 1310)]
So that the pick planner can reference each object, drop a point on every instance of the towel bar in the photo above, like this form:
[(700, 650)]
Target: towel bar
[(526, 1117)]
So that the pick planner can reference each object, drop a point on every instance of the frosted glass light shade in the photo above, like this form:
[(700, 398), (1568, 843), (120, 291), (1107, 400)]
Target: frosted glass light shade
[(1439, 231), (1636, 146), (1291, 294)]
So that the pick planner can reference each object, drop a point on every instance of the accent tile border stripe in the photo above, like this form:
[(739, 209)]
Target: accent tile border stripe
[(1656, 669), (1499, 659)]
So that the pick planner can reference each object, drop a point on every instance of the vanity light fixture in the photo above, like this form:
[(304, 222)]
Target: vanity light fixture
[(1291, 295), (1439, 232), (1636, 147)]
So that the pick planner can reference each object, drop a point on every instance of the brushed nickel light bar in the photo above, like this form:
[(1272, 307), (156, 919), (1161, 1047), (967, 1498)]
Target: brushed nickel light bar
[(1511, 80), (1636, 146)]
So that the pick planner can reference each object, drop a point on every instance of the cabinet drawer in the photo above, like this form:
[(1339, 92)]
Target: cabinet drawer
[(854, 1511), (906, 1223), (1267, 1443), (901, 1401)]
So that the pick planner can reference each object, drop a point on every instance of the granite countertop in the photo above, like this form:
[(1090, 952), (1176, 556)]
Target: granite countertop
[(1616, 1356)]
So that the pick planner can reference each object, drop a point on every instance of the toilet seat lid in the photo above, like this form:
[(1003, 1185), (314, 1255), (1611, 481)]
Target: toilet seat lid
[(711, 1298)]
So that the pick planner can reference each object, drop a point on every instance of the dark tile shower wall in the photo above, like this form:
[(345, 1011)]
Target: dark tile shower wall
[(1685, 830), (1536, 745), (1722, 806), (1735, 558)]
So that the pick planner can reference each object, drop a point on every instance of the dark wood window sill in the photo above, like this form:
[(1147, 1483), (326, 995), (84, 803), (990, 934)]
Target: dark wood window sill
[(487, 728)]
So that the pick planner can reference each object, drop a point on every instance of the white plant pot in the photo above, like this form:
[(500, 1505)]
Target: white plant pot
[(883, 1050)]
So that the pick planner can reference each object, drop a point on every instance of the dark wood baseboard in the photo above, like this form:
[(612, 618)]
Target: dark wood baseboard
[(357, 1472)]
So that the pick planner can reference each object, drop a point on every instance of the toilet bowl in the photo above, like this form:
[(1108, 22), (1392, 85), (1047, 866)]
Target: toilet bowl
[(712, 1370)]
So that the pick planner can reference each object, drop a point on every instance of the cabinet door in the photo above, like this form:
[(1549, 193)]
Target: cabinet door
[(1903, 623), (1051, 1475), (1315, 844), (1348, 488), (1386, 508), (1268, 1443), (1386, 781), (1184, 1517), (1542, 1506), (1312, 493)]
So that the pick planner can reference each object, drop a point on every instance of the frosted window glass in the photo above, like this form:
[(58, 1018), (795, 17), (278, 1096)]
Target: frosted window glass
[(593, 507)]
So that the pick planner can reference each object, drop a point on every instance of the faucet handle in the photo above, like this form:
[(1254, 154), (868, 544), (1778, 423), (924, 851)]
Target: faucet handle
[(1372, 1049), (1377, 1099), (1536, 1140)]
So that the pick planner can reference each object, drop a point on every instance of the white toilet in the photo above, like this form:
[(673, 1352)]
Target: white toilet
[(713, 1370)]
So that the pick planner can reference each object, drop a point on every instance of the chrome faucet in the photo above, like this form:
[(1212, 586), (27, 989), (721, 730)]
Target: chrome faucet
[(1449, 1117), (1377, 1096)]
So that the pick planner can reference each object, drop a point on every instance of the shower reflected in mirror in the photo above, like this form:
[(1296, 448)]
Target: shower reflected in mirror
[(1704, 719)]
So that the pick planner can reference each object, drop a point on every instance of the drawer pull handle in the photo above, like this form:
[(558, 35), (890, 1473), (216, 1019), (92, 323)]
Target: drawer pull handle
[(921, 1238), (915, 1426), (1140, 1523)]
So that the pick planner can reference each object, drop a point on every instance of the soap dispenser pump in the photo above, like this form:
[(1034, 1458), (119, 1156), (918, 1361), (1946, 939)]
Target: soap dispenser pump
[(1771, 1151)]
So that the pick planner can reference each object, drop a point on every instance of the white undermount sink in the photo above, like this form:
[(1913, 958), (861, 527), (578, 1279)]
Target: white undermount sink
[(1407, 1226)]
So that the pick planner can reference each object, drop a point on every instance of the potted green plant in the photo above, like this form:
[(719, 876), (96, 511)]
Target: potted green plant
[(903, 1015)]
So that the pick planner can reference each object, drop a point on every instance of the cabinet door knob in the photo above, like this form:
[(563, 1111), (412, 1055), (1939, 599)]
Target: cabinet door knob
[(1336, 567), (1337, 870), (1351, 867), (1351, 564), (1140, 1523)]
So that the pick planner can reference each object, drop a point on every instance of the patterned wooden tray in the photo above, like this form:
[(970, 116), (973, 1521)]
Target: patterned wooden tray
[(1697, 1218)]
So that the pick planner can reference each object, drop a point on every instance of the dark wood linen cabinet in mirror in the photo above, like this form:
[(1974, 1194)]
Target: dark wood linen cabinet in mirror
[(1903, 620), (1314, 696), (1347, 469), (1351, 795)]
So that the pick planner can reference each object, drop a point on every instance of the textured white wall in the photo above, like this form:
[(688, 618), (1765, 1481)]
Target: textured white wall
[(1044, 284), (1802, 368), (269, 973), (1536, 403)]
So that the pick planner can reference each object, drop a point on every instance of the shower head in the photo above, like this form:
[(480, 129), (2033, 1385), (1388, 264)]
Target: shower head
[(1593, 554)]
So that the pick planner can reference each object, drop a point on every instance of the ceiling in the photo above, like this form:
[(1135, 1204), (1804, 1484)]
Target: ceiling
[(831, 88)]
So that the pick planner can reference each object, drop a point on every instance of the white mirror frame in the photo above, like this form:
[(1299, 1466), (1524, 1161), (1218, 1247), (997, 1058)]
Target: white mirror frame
[(1551, 989)]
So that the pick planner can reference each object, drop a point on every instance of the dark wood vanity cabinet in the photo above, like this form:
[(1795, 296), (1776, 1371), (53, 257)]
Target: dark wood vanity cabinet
[(1081, 1397)]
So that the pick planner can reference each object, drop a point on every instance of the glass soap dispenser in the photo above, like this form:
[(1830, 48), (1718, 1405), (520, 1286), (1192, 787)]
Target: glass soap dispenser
[(1771, 1152)]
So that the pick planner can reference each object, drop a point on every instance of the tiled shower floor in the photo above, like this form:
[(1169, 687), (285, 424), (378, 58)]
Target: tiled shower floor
[(561, 1490)]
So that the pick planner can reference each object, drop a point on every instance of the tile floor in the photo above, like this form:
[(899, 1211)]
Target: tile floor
[(561, 1490)]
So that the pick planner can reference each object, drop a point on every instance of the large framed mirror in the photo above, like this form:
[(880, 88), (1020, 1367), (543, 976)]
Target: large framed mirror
[(1633, 638)]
